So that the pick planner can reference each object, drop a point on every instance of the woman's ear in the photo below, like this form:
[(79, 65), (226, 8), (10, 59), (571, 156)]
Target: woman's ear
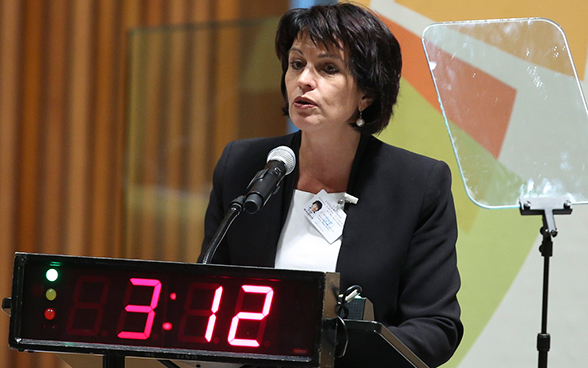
[(365, 102)]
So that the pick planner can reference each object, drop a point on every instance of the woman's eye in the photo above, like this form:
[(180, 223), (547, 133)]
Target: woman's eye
[(331, 69), (296, 64)]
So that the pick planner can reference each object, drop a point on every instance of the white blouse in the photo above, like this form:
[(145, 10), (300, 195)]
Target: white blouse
[(301, 245)]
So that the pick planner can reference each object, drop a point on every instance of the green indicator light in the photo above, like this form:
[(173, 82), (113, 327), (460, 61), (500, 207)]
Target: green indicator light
[(52, 274), (51, 294)]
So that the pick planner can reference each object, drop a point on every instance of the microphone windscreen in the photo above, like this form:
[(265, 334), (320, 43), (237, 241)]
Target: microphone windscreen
[(284, 154)]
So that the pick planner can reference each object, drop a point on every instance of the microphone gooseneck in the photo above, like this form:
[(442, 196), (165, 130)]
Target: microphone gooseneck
[(280, 162)]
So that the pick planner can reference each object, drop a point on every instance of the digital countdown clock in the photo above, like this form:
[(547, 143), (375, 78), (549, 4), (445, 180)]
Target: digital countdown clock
[(172, 310)]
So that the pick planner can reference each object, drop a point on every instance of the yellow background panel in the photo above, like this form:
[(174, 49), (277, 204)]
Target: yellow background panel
[(565, 13)]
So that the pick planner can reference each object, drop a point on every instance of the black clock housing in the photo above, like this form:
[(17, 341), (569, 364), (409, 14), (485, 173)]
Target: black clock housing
[(172, 310)]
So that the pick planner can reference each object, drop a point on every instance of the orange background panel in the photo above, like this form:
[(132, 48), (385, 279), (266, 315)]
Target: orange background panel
[(414, 61), (475, 101)]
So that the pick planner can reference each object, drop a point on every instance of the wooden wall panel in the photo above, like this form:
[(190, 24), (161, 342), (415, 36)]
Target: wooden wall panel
[(29, 129), (173, 174), (103, 171), (64, 109), (54, 129), (11, 42), (198, 133), (82, 58)]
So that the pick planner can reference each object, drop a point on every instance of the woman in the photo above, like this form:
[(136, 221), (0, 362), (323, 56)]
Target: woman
[(341, 71)]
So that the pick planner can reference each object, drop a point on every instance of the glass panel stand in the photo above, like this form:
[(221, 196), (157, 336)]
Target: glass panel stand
[(547, 208)]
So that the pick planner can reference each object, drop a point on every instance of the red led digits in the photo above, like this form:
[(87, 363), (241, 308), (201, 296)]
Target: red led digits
[(149, 309), (256, 316), (212, 319), (210, 313), (86, 314), (84, 310)]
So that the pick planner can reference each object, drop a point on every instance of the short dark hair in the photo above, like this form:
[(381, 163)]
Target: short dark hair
[(374, 57)]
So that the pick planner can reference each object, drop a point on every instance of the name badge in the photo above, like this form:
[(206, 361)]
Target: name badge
[(326, 214)]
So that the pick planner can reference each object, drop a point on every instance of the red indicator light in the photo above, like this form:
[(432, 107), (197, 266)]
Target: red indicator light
[(172, 296), (167, 326), (49, 313)]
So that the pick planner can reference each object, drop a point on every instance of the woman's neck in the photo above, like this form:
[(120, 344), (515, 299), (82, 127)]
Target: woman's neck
[(325, 161)]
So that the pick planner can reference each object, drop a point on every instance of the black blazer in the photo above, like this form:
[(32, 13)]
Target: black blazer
[(398, 241)]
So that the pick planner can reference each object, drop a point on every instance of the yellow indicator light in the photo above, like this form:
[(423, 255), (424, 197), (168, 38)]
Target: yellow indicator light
[(51, 294)]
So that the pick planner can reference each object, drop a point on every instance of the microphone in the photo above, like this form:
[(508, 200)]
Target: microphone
[(280, 162)]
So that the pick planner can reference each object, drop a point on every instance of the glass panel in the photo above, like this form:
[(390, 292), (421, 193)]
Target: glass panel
[(193, 89), (514, 108)]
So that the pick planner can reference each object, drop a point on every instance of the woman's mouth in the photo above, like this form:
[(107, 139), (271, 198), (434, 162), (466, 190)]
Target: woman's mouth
[(304, 103)]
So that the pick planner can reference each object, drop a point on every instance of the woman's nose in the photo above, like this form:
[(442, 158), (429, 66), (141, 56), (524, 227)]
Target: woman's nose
[(307, 79)]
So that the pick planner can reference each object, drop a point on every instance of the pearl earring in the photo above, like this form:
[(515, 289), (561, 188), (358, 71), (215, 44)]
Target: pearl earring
[(360, 122)]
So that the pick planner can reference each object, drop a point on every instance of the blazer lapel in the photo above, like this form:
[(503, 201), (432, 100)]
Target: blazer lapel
[(354, 189)]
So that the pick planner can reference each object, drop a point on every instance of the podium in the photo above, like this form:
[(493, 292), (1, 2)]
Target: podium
[(114, 313)]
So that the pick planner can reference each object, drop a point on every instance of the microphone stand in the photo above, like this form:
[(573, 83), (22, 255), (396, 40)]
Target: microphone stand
[(547, 207), (232, 213)]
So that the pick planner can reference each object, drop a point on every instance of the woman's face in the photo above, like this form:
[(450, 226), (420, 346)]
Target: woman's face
[(322, 94)]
